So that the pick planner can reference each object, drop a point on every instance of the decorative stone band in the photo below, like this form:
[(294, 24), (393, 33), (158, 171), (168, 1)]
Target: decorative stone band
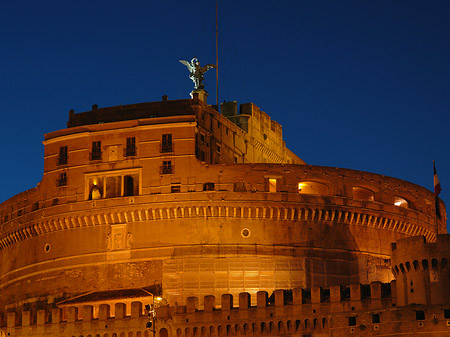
[(332, 214)]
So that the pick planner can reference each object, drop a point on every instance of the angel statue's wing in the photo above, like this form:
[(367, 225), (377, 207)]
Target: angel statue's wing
[(204, 69), (187, 64)]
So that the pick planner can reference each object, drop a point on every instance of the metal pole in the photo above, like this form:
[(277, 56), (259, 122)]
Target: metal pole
[(217, 58)]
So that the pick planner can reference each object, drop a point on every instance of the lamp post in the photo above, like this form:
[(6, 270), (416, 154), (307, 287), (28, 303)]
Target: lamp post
[(151, 312)]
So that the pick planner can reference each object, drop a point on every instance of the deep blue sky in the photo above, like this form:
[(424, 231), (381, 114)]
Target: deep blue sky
[(355, 84)]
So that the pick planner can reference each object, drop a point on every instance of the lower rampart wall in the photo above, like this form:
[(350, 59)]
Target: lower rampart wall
[(368, 310)]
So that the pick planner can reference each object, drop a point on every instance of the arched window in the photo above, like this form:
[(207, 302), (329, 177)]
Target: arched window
[(163, 333), (362, 193), (312, 187), (400, 202), (434, 264)]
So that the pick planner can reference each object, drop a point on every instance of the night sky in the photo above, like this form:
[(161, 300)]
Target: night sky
[(355, 84)]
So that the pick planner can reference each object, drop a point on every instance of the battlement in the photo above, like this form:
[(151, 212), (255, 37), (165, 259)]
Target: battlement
[(335, 298), (342, 310)]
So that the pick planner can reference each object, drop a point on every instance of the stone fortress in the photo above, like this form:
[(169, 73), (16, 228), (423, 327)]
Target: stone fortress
[(214, 213)]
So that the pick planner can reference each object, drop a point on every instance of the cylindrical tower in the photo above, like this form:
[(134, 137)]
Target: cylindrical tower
[(177, 194), (422, 271)]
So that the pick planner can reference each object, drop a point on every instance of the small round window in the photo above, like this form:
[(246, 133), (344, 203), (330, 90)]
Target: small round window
[(245, 233), (47, 247)]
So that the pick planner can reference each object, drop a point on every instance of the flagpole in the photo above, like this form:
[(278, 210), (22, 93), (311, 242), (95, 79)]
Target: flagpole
[(437, 190), (217, 59)]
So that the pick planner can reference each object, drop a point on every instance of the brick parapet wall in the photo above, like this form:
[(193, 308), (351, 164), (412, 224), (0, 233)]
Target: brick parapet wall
[(274, 315)]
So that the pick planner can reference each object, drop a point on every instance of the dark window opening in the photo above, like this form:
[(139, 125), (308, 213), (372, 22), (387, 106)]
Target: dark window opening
[(167, 167), (62, 159), (62, 180), (96, 153), (202, 156), (202, 137), (55, 202), (240, 187), (420, 315), (352, 321), (175, 189), (166, 144), (376, 318), (128, 186), (35, 206), (446, 313), (208, 187), (218, 148), (130, 150)]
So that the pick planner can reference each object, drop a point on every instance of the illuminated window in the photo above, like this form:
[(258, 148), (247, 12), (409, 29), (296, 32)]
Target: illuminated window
[(96, 153), (130, 150), (272, 185), (62, 159), (362, 193), (312, 187), (400, 202), (112, 184), (166, 143)]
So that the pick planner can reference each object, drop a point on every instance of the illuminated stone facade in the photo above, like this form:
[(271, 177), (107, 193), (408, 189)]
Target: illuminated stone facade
[(174, 193)]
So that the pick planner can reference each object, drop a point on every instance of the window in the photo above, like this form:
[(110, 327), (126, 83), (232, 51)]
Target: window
[(420, 315), (362, 193), (62, 159), (272, 185), (130, 150), (400, 202), (446, 313), (218, 148), (128, 186), (375, 318), (352, 321), (166, 144), (167, 167), (175, 189), (202, 137), (62, 180), (112, 184), (96, 153), (202, 155), (312, 187), (208, 187)]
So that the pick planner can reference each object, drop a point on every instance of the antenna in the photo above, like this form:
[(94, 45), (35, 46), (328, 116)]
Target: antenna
[(217, 61)]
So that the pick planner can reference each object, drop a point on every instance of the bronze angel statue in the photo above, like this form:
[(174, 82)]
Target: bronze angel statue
[(197, 72)]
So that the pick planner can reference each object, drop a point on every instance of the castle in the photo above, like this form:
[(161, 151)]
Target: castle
[(173, 198)]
